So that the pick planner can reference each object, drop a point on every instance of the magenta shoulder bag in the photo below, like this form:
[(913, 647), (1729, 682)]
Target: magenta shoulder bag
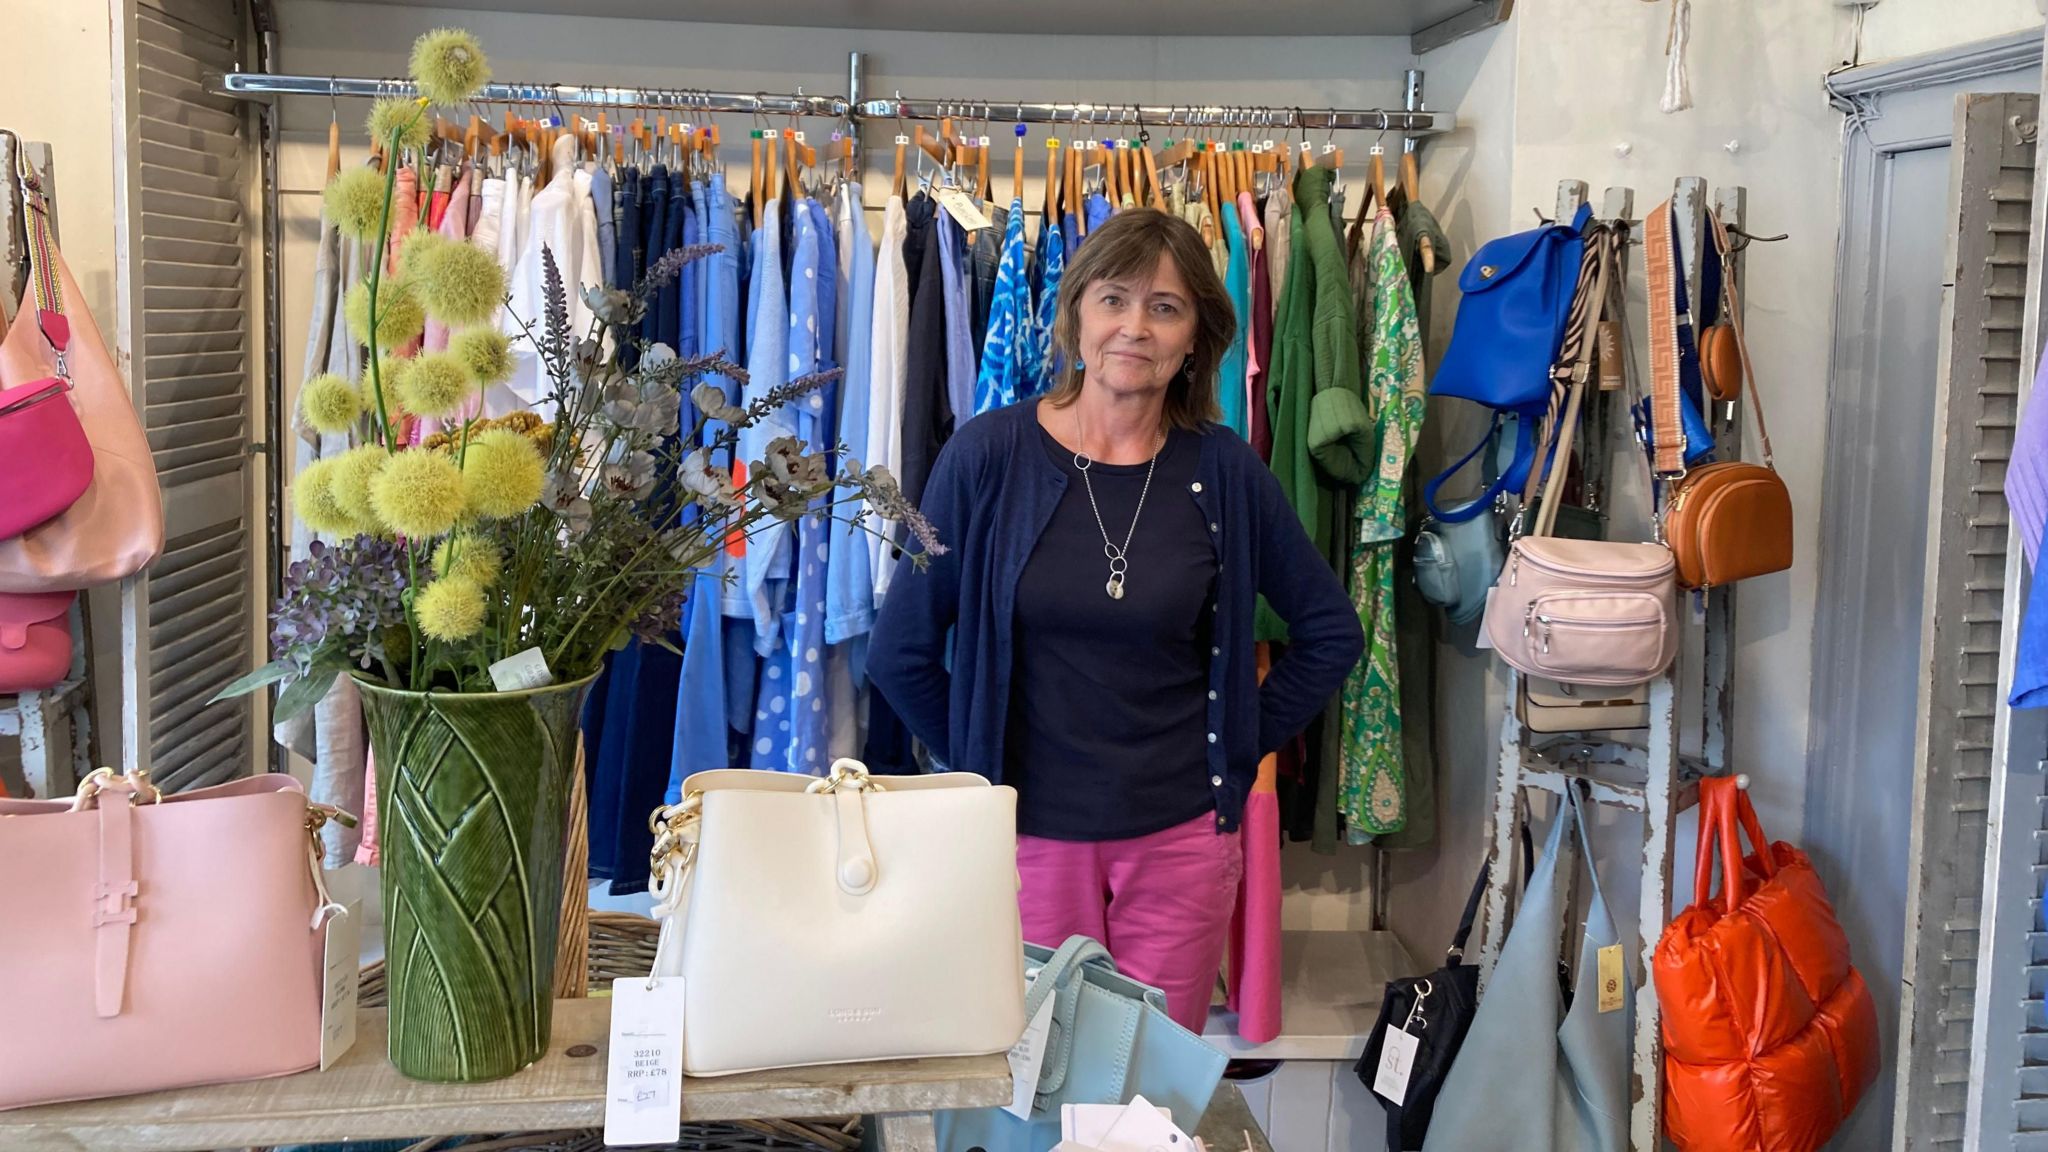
[(45, 459)]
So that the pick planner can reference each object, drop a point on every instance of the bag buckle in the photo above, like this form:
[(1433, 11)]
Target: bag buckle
[(847, 773)]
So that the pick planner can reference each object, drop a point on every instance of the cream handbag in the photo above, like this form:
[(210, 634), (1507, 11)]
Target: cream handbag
[(836, 920)]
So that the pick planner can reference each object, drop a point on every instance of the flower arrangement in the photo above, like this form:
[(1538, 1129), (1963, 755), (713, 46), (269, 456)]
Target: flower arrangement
[(568, 534)]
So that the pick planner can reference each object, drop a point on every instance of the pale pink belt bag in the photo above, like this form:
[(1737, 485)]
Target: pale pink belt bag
[(150, 943), (1585, 611)]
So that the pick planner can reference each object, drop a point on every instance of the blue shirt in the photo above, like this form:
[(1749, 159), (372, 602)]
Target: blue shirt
[(1003, 377), (849, 568), (943, 646), (1051, 267), (767, 559), (960, 371)]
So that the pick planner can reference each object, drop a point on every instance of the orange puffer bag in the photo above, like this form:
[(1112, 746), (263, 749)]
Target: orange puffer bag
[(1770, 1037)]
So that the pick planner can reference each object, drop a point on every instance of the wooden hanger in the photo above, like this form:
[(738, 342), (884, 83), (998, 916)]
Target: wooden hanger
[(1050, 209), (1017, 170), (333, 149), (1411, 186), (754, 178), (1376, 174), (1152, 178), (896, 186), (929, 148)]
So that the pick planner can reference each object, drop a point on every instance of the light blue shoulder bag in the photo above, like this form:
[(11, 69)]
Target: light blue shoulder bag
[(1111, 1039), (1532, 1077)]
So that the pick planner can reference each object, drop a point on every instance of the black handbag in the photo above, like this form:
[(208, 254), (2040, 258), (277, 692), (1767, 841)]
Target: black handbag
[(1435, 1009)]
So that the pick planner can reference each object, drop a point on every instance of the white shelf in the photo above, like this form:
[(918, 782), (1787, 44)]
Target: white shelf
[(1330, 991)]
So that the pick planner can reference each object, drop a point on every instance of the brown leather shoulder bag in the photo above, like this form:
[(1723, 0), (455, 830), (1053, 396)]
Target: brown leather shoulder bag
[(1728, 521)]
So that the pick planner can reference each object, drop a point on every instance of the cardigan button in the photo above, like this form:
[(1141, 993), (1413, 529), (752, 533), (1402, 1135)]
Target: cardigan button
[(1212, 526), (1212, 693), (1216, 781), (1195, 487), (1215, 651), (1212, 737)]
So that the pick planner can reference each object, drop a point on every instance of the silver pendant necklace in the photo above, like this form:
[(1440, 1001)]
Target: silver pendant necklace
[(1119, 563)]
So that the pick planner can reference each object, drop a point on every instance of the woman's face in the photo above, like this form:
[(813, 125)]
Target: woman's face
[(1136, 333)]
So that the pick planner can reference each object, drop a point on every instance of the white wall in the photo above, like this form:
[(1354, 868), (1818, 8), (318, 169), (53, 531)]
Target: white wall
[(1895, 28), (57, 87)]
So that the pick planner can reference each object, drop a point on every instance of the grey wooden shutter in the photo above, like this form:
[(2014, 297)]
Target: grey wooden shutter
[(1976, 402), (185, 303)]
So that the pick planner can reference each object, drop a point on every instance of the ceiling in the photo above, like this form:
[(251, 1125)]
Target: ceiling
[(1091, 17)]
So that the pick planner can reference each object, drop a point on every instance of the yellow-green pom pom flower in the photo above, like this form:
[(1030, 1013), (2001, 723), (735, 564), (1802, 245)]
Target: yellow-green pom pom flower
[(403, 116), (400, 319), (351, 475), (354, 201), (313, 498), (458, 283), (468, 556), (502, 474), (436, 384), (417, 494), (330, 404), (450, 609), (486, 352), (449, 66)]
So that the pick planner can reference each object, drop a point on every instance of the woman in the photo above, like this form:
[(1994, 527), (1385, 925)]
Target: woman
[(1088, 635)]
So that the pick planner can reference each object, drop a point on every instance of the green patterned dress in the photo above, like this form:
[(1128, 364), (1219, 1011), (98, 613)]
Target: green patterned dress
[(1373, 786)]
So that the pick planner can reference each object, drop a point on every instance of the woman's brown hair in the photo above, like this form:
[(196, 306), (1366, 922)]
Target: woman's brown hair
[(1129, 245)]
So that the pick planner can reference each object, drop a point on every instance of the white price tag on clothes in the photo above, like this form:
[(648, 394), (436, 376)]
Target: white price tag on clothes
[(1027, 1057), (522, 670), (1397, 1063), (643, 1087), (962, 208), (343, 966)]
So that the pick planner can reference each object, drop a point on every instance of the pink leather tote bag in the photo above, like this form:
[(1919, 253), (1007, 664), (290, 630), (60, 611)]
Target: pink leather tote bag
[(116, 526), (151, 942)]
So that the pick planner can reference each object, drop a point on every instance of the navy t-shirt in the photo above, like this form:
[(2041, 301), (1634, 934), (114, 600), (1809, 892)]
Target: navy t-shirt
[(1106, 736)]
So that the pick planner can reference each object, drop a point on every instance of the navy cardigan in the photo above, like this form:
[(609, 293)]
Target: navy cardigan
[(991, 494)]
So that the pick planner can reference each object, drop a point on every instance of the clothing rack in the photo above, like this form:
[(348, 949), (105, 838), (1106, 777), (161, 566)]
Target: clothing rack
[(1410, 121)]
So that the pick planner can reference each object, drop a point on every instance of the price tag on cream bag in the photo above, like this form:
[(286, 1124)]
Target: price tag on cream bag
[(521, 670), (1610, 978), (339, 988), (643, 1086), (1027, 1057), (1397, 1063), (962, 208)]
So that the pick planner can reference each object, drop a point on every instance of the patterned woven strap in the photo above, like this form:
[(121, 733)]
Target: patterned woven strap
[(42, 266), (1667, 432)]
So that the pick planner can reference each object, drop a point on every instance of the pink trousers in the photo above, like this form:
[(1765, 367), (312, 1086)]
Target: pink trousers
[(1161, 904)]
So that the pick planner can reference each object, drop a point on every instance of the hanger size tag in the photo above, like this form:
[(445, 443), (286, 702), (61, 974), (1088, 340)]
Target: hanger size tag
[(902, 141), (643, 1088), (1610, 978), (1397, 1064), (982, 141), (797, 136), (768, 134)]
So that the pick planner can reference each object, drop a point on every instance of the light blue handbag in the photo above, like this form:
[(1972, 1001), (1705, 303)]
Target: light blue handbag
[(1111, 1039), (1526, 1080)]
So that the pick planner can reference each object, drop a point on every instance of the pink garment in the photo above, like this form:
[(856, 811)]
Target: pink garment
[(405, 215), (1161, 904), (367, 853), (1253, 982), (1255, 241), (454, 225)]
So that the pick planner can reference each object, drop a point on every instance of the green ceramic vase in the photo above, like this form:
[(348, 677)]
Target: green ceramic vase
[(472, 799)]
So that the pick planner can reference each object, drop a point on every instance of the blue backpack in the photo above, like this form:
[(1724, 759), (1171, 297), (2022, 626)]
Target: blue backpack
[(1511, 322)]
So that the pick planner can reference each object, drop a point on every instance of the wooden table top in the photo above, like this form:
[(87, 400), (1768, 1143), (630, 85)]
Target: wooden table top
[(364, 1098)]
